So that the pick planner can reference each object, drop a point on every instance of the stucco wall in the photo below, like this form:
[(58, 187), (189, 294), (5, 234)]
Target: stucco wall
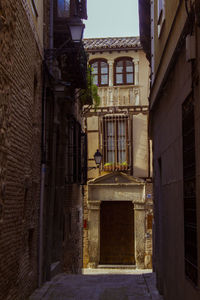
[(142, 73), (140, 146), (168, 184), (166, 43)]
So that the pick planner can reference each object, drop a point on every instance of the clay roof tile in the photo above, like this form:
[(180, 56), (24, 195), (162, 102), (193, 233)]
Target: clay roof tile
[(112, 43)]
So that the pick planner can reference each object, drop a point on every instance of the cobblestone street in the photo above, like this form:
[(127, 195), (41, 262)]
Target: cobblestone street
[(100, 285)]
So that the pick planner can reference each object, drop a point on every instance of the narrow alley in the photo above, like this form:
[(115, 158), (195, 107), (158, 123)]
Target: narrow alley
[(99, 150), (100, 284)]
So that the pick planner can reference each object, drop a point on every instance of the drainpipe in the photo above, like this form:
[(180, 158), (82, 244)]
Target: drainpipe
[(43, 168), (43, 160), (51, 26), (51, 195)]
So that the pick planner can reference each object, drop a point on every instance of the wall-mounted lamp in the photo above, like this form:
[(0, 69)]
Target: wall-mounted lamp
[(98, 158), (76, 27)]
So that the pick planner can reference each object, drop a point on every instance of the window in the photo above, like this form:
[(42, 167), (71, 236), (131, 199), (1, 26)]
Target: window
[(100, 72), (189, 191), (72, 165), (124, 71), (115, 142), (63, 8), (34, 7), (161, 15)]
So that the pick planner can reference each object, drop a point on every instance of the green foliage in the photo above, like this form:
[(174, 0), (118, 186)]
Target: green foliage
[(90, 94), (108, 164)]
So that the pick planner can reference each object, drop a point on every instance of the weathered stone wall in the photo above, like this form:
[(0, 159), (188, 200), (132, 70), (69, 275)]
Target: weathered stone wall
[(85, 229), (20, 133), (148, 225), (73, 257), (141, 196)]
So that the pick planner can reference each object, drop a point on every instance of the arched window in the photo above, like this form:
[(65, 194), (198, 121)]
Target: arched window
[(100, 72), (124, 71)]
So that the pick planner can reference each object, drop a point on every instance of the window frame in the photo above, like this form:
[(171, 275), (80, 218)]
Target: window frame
[(189, 191), (160, 15), (34, 8), (124, 72), (99, 61)]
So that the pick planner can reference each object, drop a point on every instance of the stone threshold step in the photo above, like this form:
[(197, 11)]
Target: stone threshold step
[(120, 267)]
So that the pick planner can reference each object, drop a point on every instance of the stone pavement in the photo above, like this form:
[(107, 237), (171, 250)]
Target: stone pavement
[(100, 284)]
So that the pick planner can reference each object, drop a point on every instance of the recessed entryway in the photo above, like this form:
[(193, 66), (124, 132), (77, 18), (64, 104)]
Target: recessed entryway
[(117, 232)]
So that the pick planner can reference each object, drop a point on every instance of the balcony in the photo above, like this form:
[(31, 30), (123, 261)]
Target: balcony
[(119, 96)]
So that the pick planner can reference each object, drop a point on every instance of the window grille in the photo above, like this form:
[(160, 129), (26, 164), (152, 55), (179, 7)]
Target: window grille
[(73, 157), (116, 142), (189, 189)]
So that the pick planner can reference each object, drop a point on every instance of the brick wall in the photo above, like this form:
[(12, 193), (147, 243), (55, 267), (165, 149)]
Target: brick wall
[(20, 134)]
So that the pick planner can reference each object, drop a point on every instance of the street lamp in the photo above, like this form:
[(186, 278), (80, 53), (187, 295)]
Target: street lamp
[(97, 158), (76, 27)]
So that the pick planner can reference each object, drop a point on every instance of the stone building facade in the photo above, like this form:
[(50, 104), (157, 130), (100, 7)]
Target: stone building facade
[(171, 41), (21, 44), (118, 196)]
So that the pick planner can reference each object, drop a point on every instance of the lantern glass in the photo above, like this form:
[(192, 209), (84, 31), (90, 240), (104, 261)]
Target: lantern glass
[(76, 29), (97, 157)]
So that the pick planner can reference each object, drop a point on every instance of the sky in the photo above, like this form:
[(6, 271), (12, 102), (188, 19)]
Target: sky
[(111, 18)]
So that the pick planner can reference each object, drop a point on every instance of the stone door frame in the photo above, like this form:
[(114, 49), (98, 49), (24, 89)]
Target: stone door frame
[(134, 192)]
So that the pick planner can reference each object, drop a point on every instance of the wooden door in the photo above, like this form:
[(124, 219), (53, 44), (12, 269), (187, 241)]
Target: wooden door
[(117, 233)]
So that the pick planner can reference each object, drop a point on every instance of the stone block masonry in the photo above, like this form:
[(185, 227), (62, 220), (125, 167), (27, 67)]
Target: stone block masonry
[(20, 134)]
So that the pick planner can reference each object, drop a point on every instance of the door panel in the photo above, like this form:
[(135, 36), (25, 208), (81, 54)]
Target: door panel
[(117, 233)]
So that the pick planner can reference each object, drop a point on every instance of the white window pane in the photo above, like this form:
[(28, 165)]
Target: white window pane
[(129, 78), (121, 143), (111, 144), (121, 127), (104, 68), (104, 79), (129, 69), (111, 157), (122, 157), (95, 79), (110, 127), (94, 68), (119, 69), (119, 78)]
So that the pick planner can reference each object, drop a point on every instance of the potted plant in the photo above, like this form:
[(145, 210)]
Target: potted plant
[(108, 166)]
